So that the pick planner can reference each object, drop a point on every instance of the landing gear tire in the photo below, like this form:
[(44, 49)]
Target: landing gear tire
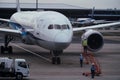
[(53, 60), (56, 60), (2, 49), (10, 50), (6, 49)]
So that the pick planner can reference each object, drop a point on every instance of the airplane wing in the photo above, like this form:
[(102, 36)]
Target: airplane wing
[(10, 32), (102, 22), (78, 23), (17, 31), (96, 26), (5, 20)]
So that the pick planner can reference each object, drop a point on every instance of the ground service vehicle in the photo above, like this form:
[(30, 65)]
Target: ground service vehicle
[(13, 68)]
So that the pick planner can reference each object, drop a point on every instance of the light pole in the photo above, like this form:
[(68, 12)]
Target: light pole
[(36, 4), (93, 9)]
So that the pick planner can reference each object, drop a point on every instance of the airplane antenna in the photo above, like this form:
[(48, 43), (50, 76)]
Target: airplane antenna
[(18, 6)]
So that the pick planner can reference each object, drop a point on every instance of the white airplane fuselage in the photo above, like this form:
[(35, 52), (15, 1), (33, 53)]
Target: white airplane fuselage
[(51, 30)]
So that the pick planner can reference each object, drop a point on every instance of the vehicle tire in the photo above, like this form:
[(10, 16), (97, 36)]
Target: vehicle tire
[(19, 77), (10, 50), (2, 49), (53, 60), (5, 49), (51, 52), (58, 60)]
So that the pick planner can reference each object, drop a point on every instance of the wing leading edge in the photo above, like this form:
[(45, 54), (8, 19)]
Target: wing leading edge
[(17, 31), (96, 26), (10, 32)]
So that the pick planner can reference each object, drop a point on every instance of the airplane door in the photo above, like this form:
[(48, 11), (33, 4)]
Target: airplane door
[(39, 27)]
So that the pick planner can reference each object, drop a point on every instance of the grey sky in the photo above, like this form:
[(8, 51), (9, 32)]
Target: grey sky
[(99, 4)]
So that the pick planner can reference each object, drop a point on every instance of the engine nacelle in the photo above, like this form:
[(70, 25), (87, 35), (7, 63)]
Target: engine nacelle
[(94, 40)]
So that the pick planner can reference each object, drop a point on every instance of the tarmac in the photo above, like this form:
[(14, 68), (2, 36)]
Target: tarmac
[(41, 68)]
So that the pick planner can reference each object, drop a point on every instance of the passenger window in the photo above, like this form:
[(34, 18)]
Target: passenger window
[(65, 27), (22, 64), (50, 27)]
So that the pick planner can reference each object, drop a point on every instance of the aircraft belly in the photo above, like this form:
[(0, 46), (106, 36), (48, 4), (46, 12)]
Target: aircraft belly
[(52, 45)]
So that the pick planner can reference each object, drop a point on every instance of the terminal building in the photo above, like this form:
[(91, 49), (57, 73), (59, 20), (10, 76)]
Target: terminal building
[(7, 9)]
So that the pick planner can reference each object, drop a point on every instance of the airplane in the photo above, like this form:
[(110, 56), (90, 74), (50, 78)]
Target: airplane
[(83, 21), (50, 30)]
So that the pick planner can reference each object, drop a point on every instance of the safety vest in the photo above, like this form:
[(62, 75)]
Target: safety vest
[(84, 43)]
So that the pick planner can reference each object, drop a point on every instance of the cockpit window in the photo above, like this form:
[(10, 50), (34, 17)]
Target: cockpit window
[(59, 27), (65, 27), (50, 27)]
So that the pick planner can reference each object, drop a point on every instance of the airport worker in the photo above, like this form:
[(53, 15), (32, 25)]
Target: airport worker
[(81, 60), (93, 70), (84, 43)]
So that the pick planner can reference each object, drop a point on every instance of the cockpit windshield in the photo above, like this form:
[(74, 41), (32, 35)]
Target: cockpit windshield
[(59, 27)]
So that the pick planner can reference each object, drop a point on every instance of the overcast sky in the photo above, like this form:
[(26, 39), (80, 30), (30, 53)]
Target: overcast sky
[(99, 4)]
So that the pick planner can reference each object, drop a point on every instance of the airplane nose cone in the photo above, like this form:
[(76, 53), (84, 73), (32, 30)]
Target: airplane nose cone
[(62, 38), (62, 41)]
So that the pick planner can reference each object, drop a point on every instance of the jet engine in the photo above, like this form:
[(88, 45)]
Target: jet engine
[(94, 40)]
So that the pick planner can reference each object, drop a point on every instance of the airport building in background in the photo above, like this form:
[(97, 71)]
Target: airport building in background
[(7, 9)]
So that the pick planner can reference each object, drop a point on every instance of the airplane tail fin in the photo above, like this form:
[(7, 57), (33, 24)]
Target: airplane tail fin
[(18, 6), (93, 10)]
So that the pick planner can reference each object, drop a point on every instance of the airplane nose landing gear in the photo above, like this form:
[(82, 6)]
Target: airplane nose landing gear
[(56, 59)]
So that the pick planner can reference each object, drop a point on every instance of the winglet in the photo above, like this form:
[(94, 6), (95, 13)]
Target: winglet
[(18, 6)]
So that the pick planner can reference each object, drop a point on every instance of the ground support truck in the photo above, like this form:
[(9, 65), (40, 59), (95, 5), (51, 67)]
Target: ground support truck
[(17, 68)]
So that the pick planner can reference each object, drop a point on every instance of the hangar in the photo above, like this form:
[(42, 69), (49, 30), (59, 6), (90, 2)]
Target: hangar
[(7, 9)]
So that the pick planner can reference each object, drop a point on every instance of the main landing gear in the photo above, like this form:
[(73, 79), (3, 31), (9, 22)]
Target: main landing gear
[(6, 48), (56, 59)]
